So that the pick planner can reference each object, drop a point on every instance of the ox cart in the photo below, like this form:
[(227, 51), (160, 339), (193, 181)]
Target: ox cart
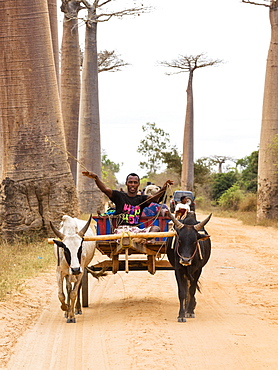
[(129, 251)]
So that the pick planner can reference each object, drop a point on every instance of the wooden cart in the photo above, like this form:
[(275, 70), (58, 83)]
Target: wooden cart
[(129, 251)]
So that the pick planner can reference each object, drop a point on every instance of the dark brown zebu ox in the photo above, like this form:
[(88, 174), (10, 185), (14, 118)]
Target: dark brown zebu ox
[(188, 252)]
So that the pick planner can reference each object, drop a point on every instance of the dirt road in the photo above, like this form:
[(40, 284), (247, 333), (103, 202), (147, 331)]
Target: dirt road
[(131, 319)]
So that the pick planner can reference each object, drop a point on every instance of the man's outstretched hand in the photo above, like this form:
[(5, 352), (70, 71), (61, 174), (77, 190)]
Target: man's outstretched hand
[(89, 174)]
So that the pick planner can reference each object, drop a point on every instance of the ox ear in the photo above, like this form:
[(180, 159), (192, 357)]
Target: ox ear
[(59, 243), (203, 236), (57, 232), (201, 224), (82, 232)]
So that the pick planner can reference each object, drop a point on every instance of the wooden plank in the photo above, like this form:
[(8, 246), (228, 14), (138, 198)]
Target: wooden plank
[(164, 234), (115, 263), (141, 248), (84, 289), (151, 264), (134, 265)]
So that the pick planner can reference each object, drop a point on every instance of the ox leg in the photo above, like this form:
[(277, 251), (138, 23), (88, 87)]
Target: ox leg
[(192, 300), (61, 295), (73, 296), (69, 289), (78, 309), (182, 293)]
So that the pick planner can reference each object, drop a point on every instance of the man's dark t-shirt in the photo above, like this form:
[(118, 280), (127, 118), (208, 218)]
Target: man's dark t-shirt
[(130, 207)]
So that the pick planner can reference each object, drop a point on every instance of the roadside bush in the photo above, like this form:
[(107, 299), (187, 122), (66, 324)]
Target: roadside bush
[(200, 202), (221, 182), (231, 198), (248, 203)]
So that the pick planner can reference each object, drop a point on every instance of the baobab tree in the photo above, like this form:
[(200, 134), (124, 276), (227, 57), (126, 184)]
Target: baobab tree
[(189, 64), (36, 182), (109, 61), (71, 67), (219, 160), (267, 205), (52, 10), (89, 146), (70, 77)]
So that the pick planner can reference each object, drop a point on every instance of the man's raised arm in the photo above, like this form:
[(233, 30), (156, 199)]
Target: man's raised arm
[(99, 183)]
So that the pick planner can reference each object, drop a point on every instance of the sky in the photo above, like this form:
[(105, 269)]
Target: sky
[(227, 98)]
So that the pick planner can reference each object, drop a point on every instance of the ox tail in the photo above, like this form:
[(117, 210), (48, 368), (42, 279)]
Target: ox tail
[(99, 274), (198, 284)]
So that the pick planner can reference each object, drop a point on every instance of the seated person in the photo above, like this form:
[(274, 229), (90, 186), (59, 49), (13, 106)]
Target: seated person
[(182, 208), (129, 205), (153, 209)]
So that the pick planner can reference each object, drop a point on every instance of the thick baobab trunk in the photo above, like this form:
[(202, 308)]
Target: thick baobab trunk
[(70, 79), (89, 151), (187, 175), (268, 159), (52, 9), (36, 183)]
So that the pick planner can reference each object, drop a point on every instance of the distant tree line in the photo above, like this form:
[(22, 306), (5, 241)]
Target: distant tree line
[(224, 186)]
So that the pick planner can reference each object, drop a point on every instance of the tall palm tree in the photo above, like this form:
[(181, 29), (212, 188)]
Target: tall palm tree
[(189, 64), (36, 182)]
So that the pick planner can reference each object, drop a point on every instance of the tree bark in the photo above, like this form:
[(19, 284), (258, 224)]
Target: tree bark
[(52, 9), (36, 183), (70, 80), (187, 175), (89, 150), (267, 172)]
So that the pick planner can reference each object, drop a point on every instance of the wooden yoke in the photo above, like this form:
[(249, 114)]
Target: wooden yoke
[(163, 234), (123, 243)]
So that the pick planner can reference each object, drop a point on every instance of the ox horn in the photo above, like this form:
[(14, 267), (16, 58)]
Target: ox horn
[(85, 228), (57, 232), (176, 222), (201, 224)]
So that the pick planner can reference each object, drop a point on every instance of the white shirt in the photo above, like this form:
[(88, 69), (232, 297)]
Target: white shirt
[(182, 206)]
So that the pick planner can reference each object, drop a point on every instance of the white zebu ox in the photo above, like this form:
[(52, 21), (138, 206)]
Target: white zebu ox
[(73, 255), (151, 189)]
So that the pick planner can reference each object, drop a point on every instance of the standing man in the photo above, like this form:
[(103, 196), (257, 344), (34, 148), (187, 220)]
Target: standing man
[(128, 204)]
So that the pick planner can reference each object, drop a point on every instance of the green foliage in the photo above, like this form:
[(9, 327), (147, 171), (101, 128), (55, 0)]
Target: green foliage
[(222, 182), (109, 169), (202, 171), (231, 198), (173, 160), (249, 175), (152, 146)]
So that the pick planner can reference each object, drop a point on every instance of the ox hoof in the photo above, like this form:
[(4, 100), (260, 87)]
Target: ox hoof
[(71, 320), (181, 319), (78, 312), (190, 315)]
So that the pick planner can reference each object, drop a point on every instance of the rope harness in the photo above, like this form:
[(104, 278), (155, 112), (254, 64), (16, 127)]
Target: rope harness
[(188, 259)]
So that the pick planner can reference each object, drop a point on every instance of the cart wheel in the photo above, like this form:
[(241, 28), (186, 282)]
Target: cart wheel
[(85, 293)]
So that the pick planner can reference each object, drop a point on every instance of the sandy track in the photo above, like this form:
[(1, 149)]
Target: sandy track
[(131, 319)]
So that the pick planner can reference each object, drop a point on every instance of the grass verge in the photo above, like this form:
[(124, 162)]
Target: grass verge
[(247, 218), (22, 260)]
